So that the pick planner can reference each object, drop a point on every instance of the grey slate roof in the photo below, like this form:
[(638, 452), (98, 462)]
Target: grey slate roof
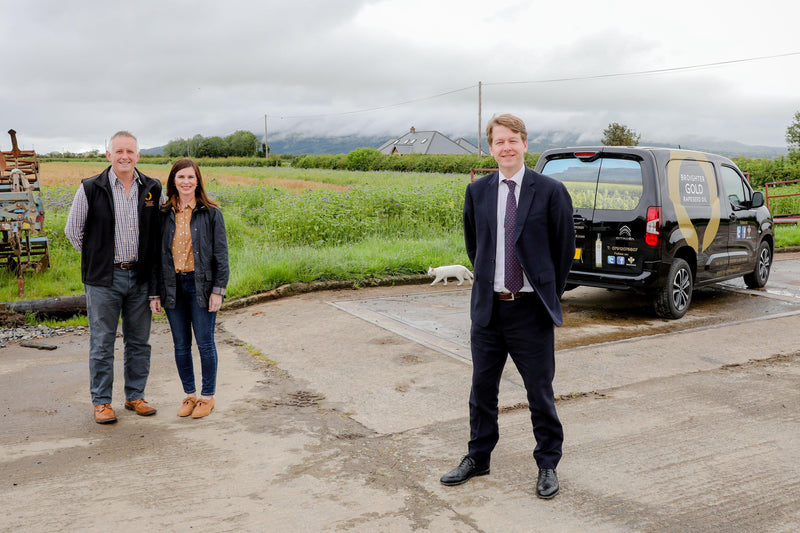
[(425, 142), (463, 143)]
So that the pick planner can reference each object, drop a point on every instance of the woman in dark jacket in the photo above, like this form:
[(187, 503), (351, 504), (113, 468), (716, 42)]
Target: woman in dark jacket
[(192, 279)]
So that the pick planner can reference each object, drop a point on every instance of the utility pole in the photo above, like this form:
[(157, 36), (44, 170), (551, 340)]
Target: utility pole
[(480, 135), (266, 144)]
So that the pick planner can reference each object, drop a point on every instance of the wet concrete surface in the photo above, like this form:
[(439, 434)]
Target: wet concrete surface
[(339, 411)]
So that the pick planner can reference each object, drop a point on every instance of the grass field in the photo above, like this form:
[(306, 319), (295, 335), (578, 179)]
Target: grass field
[(785, 204), (287, 225)]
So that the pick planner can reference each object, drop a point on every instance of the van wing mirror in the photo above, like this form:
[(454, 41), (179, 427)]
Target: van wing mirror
[(758, 199)]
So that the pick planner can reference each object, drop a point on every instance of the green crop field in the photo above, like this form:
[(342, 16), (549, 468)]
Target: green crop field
[(338, 225), (286, 225)]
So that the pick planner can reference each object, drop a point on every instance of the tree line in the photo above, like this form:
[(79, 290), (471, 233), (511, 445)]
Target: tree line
[(759, 170), (238, 144), (245, 144)]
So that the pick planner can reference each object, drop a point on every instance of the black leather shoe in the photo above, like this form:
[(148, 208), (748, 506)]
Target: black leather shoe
[(467, 469), (547, 486)]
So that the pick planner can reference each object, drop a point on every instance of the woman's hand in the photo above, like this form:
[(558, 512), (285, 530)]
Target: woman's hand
[(155, 305), (214, 302)]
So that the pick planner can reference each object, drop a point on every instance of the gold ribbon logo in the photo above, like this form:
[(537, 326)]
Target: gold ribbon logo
[(679, 161)]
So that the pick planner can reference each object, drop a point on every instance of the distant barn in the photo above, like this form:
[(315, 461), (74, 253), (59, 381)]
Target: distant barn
[(427, 142)]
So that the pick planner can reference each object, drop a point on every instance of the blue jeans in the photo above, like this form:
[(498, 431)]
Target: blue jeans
[(185, 317), (104, 305)]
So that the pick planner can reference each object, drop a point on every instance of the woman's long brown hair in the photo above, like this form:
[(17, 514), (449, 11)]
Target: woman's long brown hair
[(199, 192)]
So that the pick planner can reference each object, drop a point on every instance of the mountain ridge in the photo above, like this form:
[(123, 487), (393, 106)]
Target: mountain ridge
[(298, 144)]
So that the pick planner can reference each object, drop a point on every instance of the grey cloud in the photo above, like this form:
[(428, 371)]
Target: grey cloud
[(170, 69)]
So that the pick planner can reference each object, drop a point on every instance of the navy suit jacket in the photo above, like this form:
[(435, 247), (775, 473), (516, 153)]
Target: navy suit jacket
[(544, 240)]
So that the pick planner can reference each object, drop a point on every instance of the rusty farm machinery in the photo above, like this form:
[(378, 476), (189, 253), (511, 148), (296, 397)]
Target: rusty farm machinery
[(23, 245)]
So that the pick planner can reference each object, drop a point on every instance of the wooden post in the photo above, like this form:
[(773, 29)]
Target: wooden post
[(14, 146), (480, 134)]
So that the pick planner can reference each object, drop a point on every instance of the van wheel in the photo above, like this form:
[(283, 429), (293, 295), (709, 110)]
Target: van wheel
[(674, 298), (760, 274)]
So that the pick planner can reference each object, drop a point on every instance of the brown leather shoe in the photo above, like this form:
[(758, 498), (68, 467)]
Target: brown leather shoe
[(187, 406), (104, 414), (203, 408), (141, 407)]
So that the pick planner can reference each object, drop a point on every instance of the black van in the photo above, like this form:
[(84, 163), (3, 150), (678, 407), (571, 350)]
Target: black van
[(661, 221)]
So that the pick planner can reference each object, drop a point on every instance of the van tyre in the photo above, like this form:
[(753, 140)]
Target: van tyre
[(674, 298), (760, 274)]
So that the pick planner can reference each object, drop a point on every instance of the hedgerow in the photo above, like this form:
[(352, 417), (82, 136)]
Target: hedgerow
[(367, 159)]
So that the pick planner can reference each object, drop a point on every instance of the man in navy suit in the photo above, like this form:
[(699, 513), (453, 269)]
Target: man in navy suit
[(520, 239)]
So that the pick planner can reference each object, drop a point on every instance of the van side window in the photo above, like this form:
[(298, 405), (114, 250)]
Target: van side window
[(735, 188)]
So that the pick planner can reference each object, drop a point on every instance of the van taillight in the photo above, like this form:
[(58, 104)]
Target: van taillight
[(652, 234)]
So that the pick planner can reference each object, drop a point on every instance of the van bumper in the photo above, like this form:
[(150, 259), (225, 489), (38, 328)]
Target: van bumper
[(645, 281)]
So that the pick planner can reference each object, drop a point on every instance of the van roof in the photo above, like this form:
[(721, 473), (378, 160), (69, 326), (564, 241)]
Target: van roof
[(659, 152)]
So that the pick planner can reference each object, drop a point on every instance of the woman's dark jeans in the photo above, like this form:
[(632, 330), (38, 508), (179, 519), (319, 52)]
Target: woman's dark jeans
[(185, 317)]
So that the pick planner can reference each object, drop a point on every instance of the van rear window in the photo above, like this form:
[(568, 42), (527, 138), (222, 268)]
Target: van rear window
[(605, 183)]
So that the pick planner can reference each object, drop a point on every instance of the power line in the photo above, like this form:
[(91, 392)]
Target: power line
[(551, 80), (379, 107), (644, 72)]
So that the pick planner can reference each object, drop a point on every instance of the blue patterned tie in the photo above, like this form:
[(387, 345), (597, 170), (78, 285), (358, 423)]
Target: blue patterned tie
[(513, 273)]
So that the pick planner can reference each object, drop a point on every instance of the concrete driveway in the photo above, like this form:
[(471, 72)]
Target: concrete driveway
[(339, 411)]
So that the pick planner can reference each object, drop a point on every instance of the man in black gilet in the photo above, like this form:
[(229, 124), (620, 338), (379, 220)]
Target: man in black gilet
[(113, 222)]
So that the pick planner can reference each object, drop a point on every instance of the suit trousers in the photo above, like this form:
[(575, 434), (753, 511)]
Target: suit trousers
[(523, 329)]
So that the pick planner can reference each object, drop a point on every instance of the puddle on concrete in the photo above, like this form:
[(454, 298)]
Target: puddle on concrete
[(440, 319)]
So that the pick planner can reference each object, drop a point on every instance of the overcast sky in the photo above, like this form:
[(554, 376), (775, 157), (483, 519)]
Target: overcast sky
[(73, 73)]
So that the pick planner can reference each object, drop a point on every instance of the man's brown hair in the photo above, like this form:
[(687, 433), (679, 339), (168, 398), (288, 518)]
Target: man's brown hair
[(511, 122)]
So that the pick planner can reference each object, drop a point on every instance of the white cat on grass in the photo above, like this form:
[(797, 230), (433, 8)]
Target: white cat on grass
[(450, 271)]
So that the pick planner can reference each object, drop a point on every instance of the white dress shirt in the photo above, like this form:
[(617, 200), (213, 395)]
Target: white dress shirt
[(500, 252)]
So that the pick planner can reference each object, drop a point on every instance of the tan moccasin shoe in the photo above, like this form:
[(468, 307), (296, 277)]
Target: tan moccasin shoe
[(141, 407), (203, 408), (104, 414), (187, 406)]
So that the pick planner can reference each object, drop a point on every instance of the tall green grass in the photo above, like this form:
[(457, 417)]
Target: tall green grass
[(786, 205), (325, 218), (257, 269), (384, 224), (786, 235)]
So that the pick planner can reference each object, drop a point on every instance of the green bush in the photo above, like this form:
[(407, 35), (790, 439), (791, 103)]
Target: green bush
[(326, 161), (362, 159), (766, 170)]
